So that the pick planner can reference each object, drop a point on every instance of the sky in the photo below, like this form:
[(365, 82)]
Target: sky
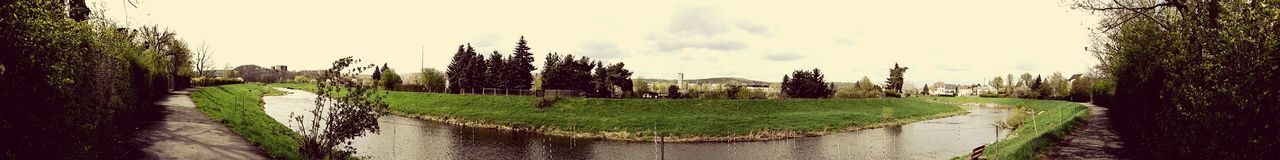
[(939, 40)]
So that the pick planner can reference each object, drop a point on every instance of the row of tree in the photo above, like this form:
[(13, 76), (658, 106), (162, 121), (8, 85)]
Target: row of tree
[(470, 71), (1192, 79), (1056, 87), (812, 84), (567, 73), (76, 86)]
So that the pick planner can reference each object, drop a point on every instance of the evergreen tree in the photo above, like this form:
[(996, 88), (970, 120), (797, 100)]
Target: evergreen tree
[(377, 73), (600, 81), (475, 71), (807, 84), (520, 66), (494, 69), (925, 90), (894, 82), (465, 70)]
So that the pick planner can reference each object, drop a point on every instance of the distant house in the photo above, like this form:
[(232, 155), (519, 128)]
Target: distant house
[(944, 90)]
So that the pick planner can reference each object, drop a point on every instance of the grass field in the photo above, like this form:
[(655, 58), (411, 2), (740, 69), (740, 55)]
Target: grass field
[(238, 106), (1039, 132), (680, 120)]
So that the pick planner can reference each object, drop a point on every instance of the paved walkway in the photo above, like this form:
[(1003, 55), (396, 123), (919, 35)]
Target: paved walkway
[(186, 133), (1095, 140)]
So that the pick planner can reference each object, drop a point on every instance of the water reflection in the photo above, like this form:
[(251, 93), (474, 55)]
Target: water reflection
[(407, 138)]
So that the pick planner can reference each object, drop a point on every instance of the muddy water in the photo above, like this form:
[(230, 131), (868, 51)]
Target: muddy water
[(407, 138)]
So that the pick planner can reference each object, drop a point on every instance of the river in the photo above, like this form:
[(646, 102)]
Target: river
[(408, 138)]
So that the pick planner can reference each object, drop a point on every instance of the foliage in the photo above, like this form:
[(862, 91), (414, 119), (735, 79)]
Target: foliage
[(673, 92), (862, 89), (215, 81), (611, 80), (466, 70), (566, 73), (519, 66), (641, 87), (807, 84), (1194, 79), (344, 109), (495, 72), (389, 78), (894, 82), (433, 80), (998, 83), (73, 90)]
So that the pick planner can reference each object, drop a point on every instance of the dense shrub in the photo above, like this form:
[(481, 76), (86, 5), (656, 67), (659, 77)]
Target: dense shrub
[(74, 90), (1193, 79), (214, 81)]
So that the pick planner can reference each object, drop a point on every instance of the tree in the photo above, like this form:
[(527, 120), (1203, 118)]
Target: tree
[(521, 66), (894, 82), (641, 86), (861, 89), (466, 70), (433, 80), (1058, 87), (998, 83), (389, 78), (495, 72), (673, 92), (925, 90), (1192, 79), (377, 74), (203, 60), (807, 84), (1008, 85), (344, 109)]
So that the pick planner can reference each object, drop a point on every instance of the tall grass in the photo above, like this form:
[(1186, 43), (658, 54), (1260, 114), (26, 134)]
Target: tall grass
[(238, 106), (1037, 133)]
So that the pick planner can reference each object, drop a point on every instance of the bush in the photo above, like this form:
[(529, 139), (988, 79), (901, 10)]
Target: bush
[(74, 90), (990, 95), (215, 81)]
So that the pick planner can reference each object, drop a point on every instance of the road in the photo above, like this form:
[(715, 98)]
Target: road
[(1096, 139), (186, 133)]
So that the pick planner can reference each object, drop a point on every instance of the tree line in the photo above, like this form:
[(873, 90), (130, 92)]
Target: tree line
[(469, 72), (812, 84), (1191, 79), (76, 85)]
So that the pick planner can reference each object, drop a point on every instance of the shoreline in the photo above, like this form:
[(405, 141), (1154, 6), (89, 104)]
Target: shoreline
[(764, 135)]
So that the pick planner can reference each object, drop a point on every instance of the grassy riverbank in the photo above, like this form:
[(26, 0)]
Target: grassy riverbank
[(1038, 133), (679, 120), (239, 107)]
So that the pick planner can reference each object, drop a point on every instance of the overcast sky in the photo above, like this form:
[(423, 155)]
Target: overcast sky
[(940, 40)]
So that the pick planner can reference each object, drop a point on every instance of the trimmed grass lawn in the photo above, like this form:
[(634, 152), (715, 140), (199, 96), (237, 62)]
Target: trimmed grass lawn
[(681, 118), (1058, 119), (238, 106)]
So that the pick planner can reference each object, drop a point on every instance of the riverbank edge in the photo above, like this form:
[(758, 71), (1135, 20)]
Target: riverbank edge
[(1035, 142), (764, 135)]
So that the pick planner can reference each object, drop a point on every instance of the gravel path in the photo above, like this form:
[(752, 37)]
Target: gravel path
[(1095, 140), (186, 133)]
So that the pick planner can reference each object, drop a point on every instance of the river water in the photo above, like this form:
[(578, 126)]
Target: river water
[(408, 138)]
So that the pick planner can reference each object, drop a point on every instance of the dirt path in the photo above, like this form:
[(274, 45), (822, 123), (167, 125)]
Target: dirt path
[(1095, 140), (186, 133)]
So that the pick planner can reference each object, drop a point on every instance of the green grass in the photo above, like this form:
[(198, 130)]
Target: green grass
[(681, 118), (1038, 133), (238, 106)]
